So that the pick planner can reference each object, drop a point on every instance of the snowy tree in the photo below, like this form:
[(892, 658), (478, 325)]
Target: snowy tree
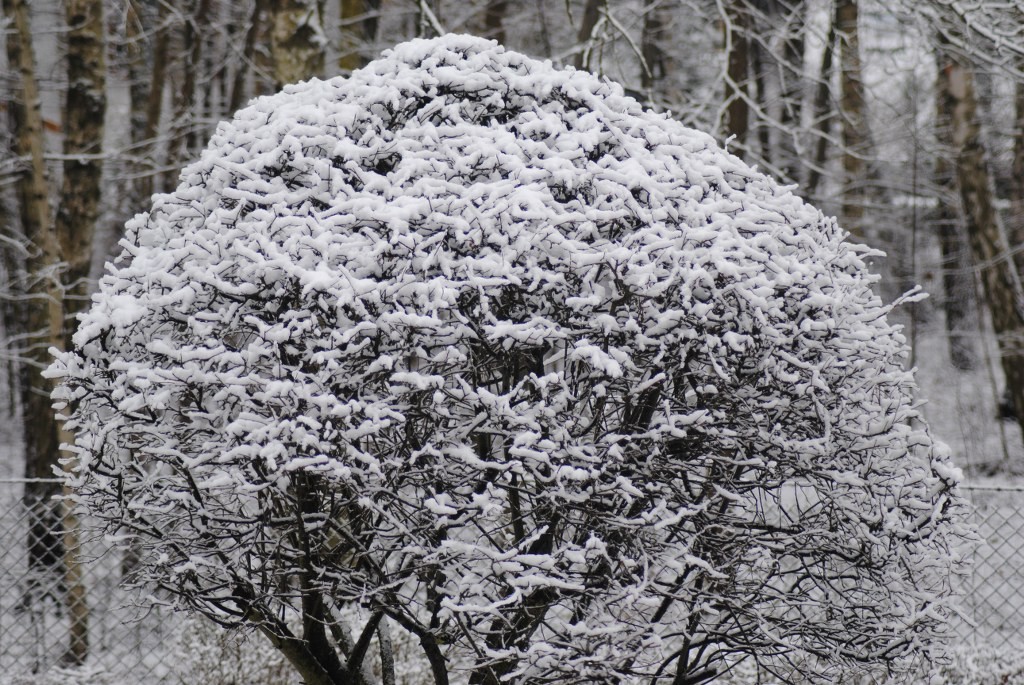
[(553, 385)]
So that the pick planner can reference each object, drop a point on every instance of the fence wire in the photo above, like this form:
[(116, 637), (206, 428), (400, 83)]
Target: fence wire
[(56, 628), (41, 621), (993, 604)]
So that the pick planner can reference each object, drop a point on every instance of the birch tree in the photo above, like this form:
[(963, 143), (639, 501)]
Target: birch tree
[(60, 255), (39, 312), (75, 227), (42, 314)]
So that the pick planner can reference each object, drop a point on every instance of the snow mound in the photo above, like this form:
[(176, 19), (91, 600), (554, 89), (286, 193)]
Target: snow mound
[(565, 352)]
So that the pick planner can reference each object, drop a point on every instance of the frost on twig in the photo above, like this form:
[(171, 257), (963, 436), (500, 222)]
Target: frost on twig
[(550, 384)]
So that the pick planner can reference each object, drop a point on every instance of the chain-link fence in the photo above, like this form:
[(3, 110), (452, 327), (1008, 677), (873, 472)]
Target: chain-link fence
[(993, 605), (44, 629), (63, 618)]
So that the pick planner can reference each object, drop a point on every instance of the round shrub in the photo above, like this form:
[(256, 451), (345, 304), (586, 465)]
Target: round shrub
[(546, 381)]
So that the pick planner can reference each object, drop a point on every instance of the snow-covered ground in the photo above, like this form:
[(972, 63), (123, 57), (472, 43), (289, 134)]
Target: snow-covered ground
[(962, 407)]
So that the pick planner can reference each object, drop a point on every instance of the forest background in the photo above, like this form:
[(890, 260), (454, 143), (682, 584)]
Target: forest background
[(903, 118)]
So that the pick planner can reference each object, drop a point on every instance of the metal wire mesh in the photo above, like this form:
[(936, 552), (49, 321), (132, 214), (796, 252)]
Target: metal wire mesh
[(993, 606), (126, 645), (55, 628)]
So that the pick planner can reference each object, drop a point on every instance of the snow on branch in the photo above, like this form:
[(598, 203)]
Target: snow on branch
[(552, 383)]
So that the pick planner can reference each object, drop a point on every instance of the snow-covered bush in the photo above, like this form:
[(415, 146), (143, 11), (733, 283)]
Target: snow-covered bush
[(204, 653), (551, 384), (980, 664)]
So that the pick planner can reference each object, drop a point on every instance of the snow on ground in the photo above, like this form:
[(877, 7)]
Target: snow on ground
[(962, 407)]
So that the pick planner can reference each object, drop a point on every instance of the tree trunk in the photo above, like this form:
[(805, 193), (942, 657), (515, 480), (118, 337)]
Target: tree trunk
[(1015, 230), (74, 583), (852, 107), (196, 32), (13, 275), (650, 46), (216, 60), (298, 651), (350, 57), (154, 104), (24, 126), (252, 34), (43, 327), (184, 135), (387, 653), (297, 40), (43, 311), (494, 20), (585, 36), (758, 91), (138, 22), (959, 304), (298, 655), (85, 109), (359, 20), (999, 276), (791, 71), (822, 114), (737, 47), (428, 19)]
